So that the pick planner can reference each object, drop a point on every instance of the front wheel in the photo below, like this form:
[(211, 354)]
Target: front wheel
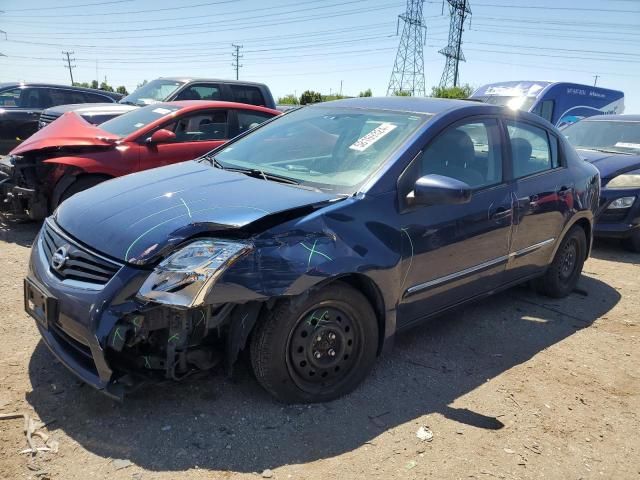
[(81, 184), (316, 347), (565, 269)]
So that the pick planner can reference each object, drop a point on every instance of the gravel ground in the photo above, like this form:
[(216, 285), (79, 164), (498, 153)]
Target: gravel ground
[(517, 386)]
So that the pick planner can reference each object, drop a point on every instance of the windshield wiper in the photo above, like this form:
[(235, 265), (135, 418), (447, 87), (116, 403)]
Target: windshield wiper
[(128, 102), (257, 173), (213, 161)]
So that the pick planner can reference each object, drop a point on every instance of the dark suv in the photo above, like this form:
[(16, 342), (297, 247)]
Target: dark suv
[(22, 103), (166, 90)]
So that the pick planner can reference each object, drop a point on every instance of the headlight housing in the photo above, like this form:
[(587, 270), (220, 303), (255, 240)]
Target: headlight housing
[(184, 278), (626, 180), (621, 203)]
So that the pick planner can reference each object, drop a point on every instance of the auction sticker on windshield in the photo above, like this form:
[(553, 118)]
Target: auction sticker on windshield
[(372, 137)]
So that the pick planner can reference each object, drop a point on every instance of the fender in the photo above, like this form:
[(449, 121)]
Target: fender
[(86, 164), (577, 217)]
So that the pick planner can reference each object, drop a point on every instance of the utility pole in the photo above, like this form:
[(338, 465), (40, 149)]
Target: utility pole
[(68, 55), (408, 69), (595, 80), (236, 59), (459, 11)]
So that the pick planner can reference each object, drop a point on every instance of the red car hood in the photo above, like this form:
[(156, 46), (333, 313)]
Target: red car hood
[(70, 130)]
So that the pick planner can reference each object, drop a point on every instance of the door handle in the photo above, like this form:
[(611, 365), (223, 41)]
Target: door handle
[(501, 213)]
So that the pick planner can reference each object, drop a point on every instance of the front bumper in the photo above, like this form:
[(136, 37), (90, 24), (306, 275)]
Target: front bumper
[(617, 223), (109, 338)]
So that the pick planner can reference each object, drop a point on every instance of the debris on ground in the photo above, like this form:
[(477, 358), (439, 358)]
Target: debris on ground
[(424, 434), (267, 473), (119, 463), (32, 429)]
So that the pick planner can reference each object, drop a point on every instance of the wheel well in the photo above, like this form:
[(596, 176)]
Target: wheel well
[(370, 290), (67, 180), (586, 226)]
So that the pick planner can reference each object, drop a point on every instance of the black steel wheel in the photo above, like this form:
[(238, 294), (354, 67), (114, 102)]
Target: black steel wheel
[(317, 347), (565, 269)]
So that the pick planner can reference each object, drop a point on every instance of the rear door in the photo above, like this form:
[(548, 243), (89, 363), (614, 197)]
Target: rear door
[(456, 252), (542, 188), (196, 134), (200, 91), (22, 107)]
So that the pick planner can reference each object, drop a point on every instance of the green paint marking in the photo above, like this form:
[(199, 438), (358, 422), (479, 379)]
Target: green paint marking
[(174, 337), (146, 362), (319, 320), (313, 251), (137, 322), (116, 334), (186, 206)]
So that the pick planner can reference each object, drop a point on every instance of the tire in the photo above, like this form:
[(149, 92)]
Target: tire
[(633, 242), (315, 347), (565, 269), (81, 184)]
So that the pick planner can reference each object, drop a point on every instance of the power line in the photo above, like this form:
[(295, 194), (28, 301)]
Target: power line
[(236, 59), (71, 6), (459, 11), (546, 8), (69, 64), (408, 68)]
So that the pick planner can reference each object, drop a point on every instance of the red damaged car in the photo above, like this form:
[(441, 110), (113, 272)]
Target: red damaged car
[(71, 155)]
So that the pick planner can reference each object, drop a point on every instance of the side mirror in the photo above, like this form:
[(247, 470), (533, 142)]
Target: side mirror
[(439, 190), (161, 136)]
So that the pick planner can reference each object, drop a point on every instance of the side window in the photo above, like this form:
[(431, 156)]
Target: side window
[(247, 94), (35, 98), (10, 98), (468, 152), (200, 92), (93, 98), (201, 127), (248, 119), (530, 149), (546, 110), (63, 97)]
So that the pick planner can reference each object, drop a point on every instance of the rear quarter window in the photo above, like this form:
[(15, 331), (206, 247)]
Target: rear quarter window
[(247, 94)]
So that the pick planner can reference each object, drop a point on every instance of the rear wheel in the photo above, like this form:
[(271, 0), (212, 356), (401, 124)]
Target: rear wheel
[(317, 347), (633, 242), (563, 273)]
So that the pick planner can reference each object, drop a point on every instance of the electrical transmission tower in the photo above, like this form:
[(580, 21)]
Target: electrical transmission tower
[(408, 69), (69, 66), (236, 59), (459, 11)]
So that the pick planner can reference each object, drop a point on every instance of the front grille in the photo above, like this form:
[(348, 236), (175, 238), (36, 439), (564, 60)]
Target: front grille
[(46, 119), (79, 263)]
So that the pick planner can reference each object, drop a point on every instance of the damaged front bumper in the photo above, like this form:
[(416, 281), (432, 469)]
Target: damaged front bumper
[(89, 316), (16, 197)]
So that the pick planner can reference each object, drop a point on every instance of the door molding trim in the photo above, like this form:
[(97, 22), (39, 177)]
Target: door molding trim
[(476, 268)]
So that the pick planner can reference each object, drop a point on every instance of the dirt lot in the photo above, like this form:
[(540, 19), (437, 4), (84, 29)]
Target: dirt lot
[(518, 386)]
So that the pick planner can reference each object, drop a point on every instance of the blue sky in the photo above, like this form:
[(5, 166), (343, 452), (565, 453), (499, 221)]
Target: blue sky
[(294, 45)]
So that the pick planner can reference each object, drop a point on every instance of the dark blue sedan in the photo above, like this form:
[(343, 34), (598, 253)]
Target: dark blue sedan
[(310, 241), (612, 144)]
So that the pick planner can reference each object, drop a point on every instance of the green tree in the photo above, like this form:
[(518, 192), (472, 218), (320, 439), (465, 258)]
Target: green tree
[(463, 91), (309, 96), (288, 99), (106, 87), (122, 89), (402, 93), (144, 82), (366, 93)]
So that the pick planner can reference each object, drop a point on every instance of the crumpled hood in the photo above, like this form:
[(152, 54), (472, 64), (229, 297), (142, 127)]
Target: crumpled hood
[(138, 218), (610, 164), (70, 130)]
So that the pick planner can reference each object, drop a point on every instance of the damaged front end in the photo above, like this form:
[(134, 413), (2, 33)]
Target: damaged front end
[(24, 186)]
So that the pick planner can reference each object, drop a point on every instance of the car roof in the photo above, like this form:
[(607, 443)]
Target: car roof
[(201, 104), (220, 80), (407, 104), (55, 85), (619, 118)]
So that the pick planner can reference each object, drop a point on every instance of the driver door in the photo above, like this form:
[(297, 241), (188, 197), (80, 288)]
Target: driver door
[(456, 252), (196, 134)]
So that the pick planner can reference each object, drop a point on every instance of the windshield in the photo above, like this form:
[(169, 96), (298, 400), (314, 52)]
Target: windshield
[(329, 148), (154, 91), (513, 102), (134, 120), (614, 135)]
